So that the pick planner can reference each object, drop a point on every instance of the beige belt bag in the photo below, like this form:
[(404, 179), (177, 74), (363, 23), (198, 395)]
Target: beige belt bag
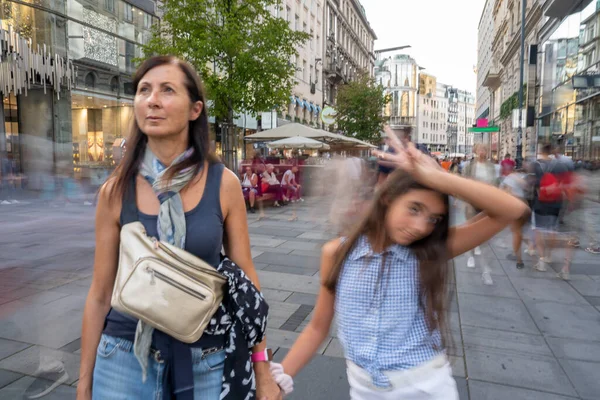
[(165, 286)]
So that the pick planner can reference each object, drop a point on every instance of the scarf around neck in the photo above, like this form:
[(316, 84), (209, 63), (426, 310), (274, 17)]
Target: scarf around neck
[(170, 225)]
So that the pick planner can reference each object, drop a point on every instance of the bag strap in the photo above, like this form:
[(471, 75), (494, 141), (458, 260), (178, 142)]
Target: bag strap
[(129, 210)]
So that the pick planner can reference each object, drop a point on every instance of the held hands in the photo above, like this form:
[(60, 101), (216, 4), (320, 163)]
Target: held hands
[(266, 386), (407, 158), (285, 382)]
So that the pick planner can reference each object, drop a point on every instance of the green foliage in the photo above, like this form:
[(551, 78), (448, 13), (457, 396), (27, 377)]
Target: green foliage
[(239, 48), (360, 109), (510, 104)]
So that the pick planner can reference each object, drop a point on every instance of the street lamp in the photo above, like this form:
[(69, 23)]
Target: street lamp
[(519, 158)]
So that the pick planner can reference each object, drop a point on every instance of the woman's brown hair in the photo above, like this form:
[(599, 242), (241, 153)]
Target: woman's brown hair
[(198, 135), (431, 251)]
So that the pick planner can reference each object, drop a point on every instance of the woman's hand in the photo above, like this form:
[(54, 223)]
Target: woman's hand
[(84, 392), (266, 387)]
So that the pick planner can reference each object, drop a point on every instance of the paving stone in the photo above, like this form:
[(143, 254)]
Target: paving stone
[(291, 270), (276, 250), (587, 288), (276, 232), (10, 347), (44, 297), (28, 361), (585, 377), (302, 298), (479, 338), (595, 301), (463, 388), (566, 321), (495, 312), (492, 391), (335, 349), (255, 253), (458, 366), (495, 267), (17, 389), (7, 377), (316, 236), (288, 282), (288, 260), (301, 245), (265, 241), (471, 283), (575, 349), (547, 290), (309, 383), (527, 371), (275, 295)]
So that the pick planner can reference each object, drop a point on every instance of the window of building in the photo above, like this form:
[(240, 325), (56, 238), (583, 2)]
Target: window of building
[(109, 5), (288, 14), (304, 27), (127, 12), (304, 71), (297, 22), (114, 84)]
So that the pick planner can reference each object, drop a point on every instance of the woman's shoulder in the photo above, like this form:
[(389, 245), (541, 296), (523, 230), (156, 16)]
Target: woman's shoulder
[(110, 198)]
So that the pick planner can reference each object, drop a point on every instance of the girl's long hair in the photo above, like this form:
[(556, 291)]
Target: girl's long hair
[(198, 135), (431, 251)]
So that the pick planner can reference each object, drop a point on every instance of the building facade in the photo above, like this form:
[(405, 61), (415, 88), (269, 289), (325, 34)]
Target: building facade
[(75, 126), (499, 72), (568, 102), (349, 45), (399, 75), (306, 101), (465, 120), (485, 36), (432, 114)]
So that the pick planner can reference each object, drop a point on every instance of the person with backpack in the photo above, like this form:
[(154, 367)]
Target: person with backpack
[(550, 175)]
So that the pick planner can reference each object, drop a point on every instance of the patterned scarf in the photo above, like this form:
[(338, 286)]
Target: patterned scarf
[(171, 226)]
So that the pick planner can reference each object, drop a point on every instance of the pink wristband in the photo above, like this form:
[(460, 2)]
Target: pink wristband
[(260, 356)]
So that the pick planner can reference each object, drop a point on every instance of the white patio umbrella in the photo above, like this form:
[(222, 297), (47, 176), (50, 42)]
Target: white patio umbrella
[(297, 142)]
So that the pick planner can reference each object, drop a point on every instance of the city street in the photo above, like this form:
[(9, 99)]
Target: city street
[(530, 336)]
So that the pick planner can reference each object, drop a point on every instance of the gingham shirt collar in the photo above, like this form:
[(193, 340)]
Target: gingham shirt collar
[(363, 248)]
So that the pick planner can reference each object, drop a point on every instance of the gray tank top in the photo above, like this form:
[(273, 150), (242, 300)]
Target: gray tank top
[(204, 237)]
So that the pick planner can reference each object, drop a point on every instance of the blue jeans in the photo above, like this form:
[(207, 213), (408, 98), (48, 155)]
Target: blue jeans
[(118, 375)]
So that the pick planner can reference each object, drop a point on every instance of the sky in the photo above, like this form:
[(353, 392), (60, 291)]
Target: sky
[(442, 33)]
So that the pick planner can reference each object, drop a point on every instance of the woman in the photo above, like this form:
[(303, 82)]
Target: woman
[(250, 187), (386, 282), (272, 185), (121, 358)]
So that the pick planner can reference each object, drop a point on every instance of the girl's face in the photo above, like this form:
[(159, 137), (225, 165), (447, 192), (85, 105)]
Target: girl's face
[(414, 215), (162, 104)]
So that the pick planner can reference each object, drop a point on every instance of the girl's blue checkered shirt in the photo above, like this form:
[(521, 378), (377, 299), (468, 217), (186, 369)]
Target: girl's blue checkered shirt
[(381, 324)]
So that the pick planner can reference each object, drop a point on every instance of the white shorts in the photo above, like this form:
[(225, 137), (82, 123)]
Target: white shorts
[(430, 381)]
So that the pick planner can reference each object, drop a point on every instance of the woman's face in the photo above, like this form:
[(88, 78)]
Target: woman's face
[(162, 104), (414, 215)]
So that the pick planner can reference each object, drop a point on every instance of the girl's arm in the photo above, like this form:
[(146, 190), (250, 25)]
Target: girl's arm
[(317, 330), (254, 180), (500, 208)]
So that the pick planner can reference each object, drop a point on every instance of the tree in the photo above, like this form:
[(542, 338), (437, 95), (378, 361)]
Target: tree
[(359, 109), (241, 50)]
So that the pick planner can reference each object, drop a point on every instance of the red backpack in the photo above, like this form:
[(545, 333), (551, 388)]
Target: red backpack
[(551, 189)]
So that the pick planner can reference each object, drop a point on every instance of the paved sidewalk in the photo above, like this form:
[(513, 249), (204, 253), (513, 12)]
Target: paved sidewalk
[(530, 336)]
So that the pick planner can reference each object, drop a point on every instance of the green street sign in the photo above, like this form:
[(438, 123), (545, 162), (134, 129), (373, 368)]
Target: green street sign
[(488, 129)]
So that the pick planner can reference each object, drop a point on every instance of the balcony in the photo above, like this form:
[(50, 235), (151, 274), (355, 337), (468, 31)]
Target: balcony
[(492, 80), (400, 122)]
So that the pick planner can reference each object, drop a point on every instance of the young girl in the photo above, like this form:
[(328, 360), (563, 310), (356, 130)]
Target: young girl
[(386, 282)]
